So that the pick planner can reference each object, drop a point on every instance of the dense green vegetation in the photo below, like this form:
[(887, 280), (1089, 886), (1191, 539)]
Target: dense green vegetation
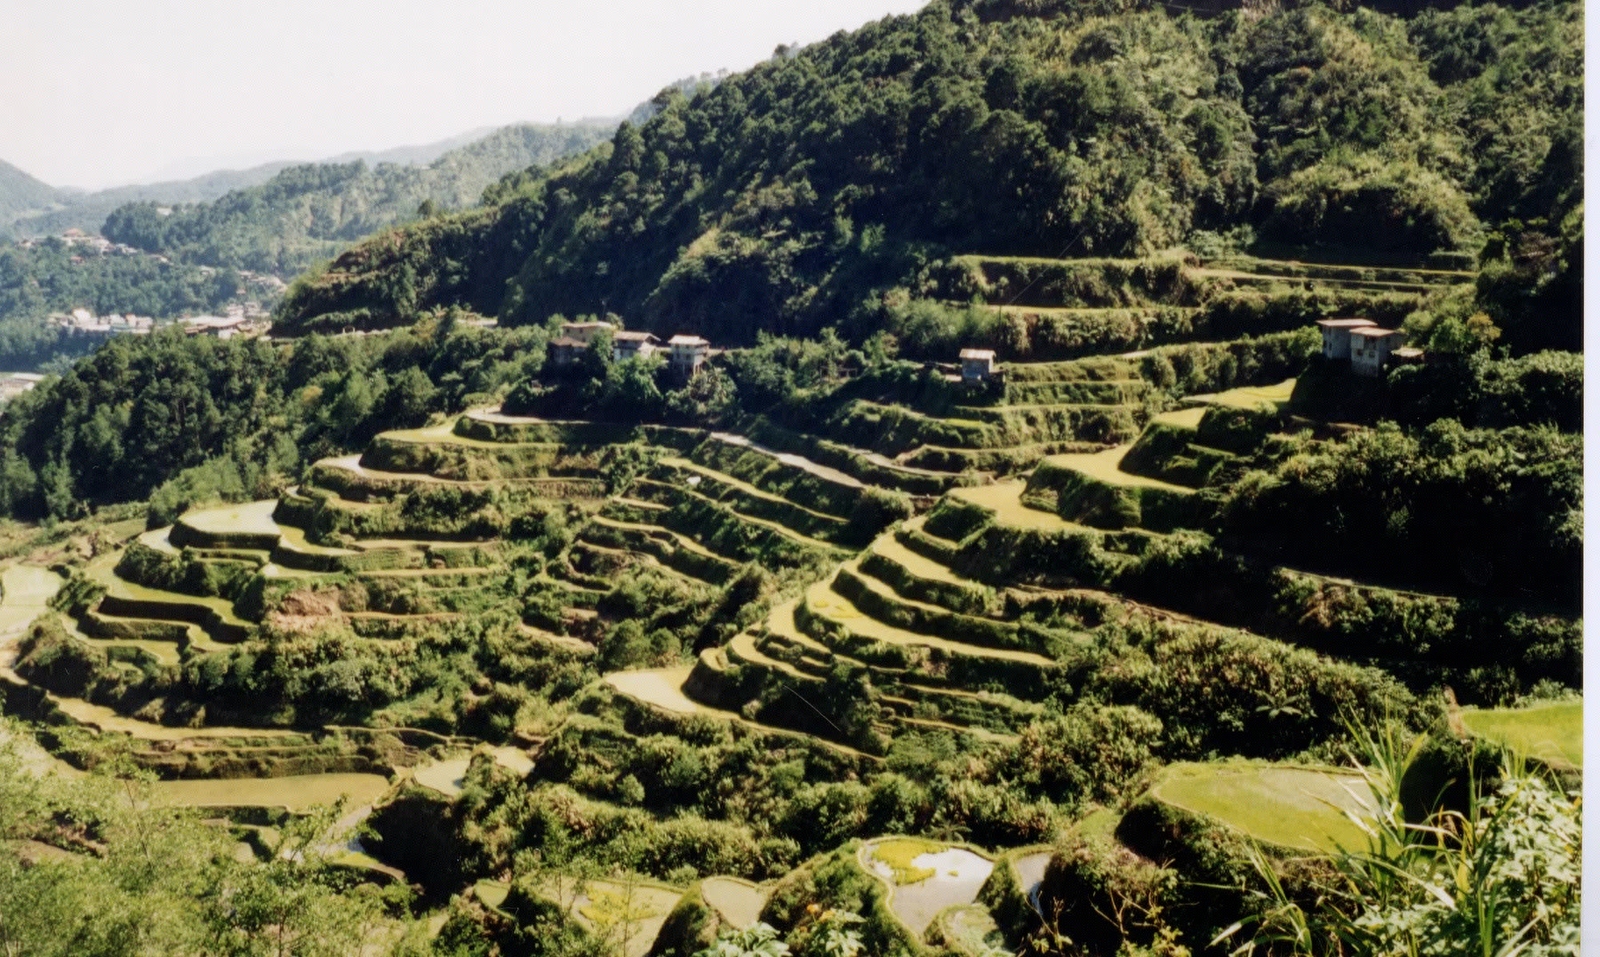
[(307, 214), (37, 210), (20, 192), (53, 276), (246, 413), (297, 218), (815, 188), (143, 880), (824, 649)]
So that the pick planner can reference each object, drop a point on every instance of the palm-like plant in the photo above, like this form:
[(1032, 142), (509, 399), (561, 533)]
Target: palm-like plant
[(757, 940), (1499, 879)]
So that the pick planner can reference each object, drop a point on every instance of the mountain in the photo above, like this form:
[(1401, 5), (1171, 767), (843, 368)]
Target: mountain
[(816, 188), (308, 213), (417, 155), (41, 210), (19, 192), (65, 210)]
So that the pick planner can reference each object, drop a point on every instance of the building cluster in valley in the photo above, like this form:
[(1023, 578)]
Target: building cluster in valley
[(684, 354), (82, 243), (240, 319)]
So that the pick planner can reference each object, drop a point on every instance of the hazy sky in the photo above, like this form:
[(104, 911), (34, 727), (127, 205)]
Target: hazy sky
[(104, 92)]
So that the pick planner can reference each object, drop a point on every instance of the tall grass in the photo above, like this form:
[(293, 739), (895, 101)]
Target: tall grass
[(1500, 877)]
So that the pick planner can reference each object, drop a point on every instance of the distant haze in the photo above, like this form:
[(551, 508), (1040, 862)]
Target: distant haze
[(101, 93)]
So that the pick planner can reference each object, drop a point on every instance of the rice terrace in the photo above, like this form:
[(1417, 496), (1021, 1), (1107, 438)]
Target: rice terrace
[(1009, 478)]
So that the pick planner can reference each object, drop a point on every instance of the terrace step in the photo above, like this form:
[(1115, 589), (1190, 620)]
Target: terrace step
[(824, 472), (877, 598), (625, 557), (230, 527), (742, 488), (562, 642), (125, 599), (915, 576), (652, 486), (640, 503), (741, 649), (917, 540), (1090, 369), (347, 476), (133, 650), (99, 626), (867, 465), (826, 603), (781, 624), (492, 425), (987, 463), (972, 729), (668, 538), (790, 654), (973, 709)]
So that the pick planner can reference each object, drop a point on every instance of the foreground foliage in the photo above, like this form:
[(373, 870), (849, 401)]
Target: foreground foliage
[(119, 877), (1500, 876)]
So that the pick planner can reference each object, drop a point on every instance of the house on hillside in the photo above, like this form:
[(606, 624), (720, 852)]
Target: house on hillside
[(13, 384), (688, 354), (1336, 335), (977, 366), (223, 327), (584, 332), (568, 347), (565, 350), (1371, 347), (633, 345)]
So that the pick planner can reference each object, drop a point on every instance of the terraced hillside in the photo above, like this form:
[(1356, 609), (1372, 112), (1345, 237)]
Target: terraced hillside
[(1013, 568), (1038, 309), (1034, 584)]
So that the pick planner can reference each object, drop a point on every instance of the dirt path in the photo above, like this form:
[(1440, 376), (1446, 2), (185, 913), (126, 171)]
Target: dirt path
[(789, 458)]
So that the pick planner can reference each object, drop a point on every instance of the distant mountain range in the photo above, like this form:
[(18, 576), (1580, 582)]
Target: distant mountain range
[(309, 213), (30, 207), (20, 193)]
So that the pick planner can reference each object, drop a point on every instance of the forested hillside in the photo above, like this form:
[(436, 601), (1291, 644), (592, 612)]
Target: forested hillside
[(301, 216), (54, 212), (19, 191), (62, 210), (820, 186), (308, 213)]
